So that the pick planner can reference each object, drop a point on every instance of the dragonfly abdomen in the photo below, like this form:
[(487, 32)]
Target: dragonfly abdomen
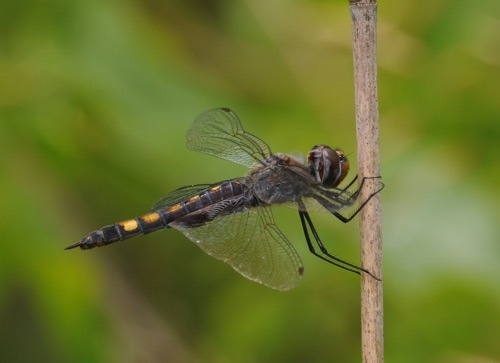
[(122, 230), (151, 222)]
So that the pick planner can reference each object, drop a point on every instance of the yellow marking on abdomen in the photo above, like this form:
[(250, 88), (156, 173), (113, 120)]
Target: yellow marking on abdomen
[(193, 199), (214, 189), (151, 217), (174, 208), (130, 225)]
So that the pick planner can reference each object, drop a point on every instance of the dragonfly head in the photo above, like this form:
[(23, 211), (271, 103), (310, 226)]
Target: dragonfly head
[(329, 167)]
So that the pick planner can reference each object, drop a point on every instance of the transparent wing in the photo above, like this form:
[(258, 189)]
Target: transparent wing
[(218, 132), (251, 243), (179, 195)]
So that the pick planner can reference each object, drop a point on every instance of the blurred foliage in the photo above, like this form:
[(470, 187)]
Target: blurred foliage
[(95, 100)]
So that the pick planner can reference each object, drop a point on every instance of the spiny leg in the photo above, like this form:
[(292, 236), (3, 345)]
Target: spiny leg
[(306, 221), (349, 201)]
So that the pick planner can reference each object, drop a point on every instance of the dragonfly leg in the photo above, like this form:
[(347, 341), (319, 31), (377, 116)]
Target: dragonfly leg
[(326, 256)]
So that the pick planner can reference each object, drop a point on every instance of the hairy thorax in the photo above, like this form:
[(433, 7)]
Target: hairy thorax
[(280, 179)]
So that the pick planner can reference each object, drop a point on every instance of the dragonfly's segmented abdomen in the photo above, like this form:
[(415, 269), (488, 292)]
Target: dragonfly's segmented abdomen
[(122, 230), (161, 218)]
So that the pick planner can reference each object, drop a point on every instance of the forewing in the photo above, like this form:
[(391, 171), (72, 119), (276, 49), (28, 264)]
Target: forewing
[(179, 195), (218, 132), (251, 243)]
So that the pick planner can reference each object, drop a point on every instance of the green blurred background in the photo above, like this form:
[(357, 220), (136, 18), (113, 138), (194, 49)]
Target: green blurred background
[(95, 101)]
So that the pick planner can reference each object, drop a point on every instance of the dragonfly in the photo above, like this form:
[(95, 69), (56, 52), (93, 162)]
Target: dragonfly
[(232, 220)]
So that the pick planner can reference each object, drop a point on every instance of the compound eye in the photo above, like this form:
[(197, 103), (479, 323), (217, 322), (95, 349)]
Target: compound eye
[(329, 167)]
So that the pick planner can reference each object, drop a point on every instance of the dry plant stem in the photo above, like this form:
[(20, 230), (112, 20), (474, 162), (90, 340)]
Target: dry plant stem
[(364, 20)]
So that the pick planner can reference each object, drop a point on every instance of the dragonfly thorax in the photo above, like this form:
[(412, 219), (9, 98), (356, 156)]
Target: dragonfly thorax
[(280, 179)]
